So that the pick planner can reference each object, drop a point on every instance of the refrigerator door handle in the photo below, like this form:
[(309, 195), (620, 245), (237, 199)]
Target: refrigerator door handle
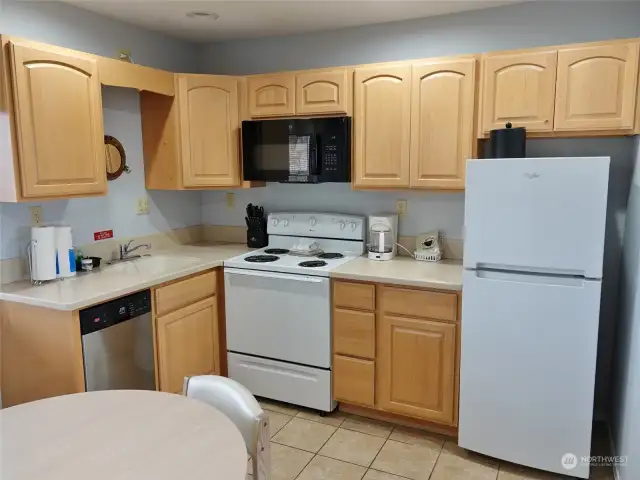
[(529, 270), (527, 277)]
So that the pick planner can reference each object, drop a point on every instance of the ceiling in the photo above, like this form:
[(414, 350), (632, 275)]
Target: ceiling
[(260, 18)]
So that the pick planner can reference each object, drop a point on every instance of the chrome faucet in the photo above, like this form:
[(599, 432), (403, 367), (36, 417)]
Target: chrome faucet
[(126, 250)]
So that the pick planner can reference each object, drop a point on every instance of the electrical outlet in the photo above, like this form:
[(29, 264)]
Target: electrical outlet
[(36, 216), (401, 208), (231, 199), (124, 54), (143, 205)]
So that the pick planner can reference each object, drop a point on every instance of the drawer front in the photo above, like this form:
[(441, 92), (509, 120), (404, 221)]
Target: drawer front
[(287, 382), (419, 303), (185, 292), (353, 380), (354, 333), (354, 295)]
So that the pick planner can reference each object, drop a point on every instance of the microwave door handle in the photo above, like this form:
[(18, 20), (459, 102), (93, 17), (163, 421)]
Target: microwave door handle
[(316, 166)]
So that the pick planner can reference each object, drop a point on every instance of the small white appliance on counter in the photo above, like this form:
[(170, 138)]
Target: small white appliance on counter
[(533, 252), (383, 236), (41, 254), (278, 306)]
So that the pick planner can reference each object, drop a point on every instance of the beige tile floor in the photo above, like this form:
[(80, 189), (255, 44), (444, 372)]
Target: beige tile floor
[(306, 446)]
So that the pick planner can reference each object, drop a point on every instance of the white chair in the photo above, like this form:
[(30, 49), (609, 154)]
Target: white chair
[(237, 403)]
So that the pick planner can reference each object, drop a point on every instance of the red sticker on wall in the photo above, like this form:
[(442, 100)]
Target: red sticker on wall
[(103, 235)]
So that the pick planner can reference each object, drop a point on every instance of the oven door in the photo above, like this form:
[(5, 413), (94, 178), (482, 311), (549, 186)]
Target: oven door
[(280, 151), (278, 316)]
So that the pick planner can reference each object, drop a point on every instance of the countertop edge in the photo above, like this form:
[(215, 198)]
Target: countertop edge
[(111, 295), (397, 281)]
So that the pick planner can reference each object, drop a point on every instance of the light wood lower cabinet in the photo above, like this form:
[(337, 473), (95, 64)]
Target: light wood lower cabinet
[(416, 362), (187, 344), (353, 380), (396, 350)]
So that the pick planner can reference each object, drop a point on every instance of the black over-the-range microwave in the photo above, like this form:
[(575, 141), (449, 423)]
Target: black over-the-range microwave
[(304, 150)]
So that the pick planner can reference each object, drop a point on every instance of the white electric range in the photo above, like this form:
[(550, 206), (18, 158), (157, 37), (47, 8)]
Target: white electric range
[(278, 306)]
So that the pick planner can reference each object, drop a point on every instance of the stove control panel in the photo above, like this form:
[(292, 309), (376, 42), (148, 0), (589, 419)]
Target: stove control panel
[(326, 225)]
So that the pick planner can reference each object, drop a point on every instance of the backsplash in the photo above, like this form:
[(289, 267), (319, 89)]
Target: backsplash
[(425, 210)]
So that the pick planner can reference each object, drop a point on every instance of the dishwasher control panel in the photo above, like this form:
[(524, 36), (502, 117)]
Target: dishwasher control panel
[(111, 313)]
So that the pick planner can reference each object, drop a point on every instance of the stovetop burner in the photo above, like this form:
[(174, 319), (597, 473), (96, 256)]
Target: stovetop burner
[(313, 263), (261, 258), (276, 251), (330, 255)]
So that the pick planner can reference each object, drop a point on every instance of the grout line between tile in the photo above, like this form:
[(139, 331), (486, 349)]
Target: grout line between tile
[(436, 462), (382, 471)]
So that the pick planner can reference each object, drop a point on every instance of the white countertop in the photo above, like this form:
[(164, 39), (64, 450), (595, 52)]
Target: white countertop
[(444, 275), (121, 279)]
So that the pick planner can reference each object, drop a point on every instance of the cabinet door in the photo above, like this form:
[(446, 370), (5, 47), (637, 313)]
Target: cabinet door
[(597, 87), (209, 129), (382, 116), (272, 96), (416, 368), (322, 92), (187, 341), (58, 118), (442, 109), (519, 88)]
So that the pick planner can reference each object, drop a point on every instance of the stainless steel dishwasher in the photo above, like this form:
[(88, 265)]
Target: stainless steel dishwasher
[(117, 343)]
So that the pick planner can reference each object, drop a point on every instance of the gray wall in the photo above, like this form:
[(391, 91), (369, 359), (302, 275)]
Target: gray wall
[(509, 27), (67, 26), (514, 26), (626, 407)]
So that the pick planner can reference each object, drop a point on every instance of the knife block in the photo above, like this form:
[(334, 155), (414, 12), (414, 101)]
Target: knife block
[(257, 238)]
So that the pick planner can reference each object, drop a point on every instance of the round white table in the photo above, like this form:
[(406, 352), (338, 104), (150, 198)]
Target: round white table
[(118, 435)]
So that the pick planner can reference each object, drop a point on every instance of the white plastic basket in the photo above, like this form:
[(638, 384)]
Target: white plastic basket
[(428, 257)]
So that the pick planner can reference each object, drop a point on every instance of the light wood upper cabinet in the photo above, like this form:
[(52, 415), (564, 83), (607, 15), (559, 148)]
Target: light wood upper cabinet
[(442, 122), (187, 344), (272, 95), (209, 129), (415, 368), (596, 88), (518, 88), (58, 123), (381, 118), (321, 92)]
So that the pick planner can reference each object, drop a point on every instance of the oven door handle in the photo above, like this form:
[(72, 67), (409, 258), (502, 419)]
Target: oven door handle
[(281, 276)]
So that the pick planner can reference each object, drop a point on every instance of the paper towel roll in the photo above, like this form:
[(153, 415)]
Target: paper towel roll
[(43, 253), (66, 258)]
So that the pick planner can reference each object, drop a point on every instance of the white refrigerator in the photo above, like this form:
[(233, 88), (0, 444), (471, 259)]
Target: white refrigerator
[(533, 251)]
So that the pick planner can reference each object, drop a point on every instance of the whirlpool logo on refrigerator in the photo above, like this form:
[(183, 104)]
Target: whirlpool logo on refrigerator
[(532, 175)]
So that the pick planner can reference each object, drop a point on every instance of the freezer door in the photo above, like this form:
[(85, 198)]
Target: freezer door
[(541, 214), (527, 370)]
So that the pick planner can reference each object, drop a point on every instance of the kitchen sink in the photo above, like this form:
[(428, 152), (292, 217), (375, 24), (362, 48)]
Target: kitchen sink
[(150, 265)]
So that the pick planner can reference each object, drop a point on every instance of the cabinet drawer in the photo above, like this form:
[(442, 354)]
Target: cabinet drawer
[(353, 380), (185, 292), (354, 333), (354, 295), (419, 303)]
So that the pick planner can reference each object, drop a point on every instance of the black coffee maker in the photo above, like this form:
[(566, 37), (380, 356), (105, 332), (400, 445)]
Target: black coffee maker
[(508, 142)]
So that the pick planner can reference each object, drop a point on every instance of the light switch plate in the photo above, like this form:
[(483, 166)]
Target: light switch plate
[(401, 208), (231, 199), (36, 216), (143, 205)]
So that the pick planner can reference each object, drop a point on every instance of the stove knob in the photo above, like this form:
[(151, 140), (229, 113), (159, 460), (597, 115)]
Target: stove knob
[(286, 223), (312, 221), (342, 225), (353, 225), (275, 222)]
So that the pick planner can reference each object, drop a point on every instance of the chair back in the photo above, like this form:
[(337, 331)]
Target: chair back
[(232, 399)]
